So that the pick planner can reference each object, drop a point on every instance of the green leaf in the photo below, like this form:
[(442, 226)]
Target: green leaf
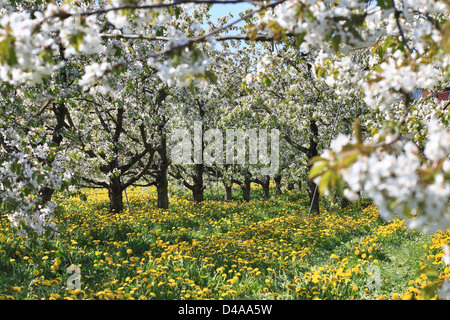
[(357, 130), (244, 86), (340, 185), (429, 291), (316, 159), (384, 4), (46, 54), (59, 254), (8, 51), (76, 39), (211, 76), (325, 181), (160, 31), (349, 158), (389, 41), (377, 68), (431, 273), (336, 41), (316, 170), (299, 38)]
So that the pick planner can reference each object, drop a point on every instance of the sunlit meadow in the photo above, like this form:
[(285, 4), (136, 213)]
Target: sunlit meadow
[(262, 249)]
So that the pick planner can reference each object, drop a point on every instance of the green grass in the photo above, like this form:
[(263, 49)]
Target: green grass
[(263, 249)]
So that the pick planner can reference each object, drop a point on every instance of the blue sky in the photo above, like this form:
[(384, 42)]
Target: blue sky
[(219, 10)]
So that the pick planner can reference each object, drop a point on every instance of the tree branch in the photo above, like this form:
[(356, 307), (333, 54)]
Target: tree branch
[(295, 144), (140, 174)]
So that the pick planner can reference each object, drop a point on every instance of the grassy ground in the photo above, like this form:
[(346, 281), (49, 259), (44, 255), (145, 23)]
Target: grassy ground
[(264, 249)]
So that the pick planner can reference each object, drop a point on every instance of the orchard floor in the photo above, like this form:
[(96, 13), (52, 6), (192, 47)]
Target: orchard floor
[(263, 249)]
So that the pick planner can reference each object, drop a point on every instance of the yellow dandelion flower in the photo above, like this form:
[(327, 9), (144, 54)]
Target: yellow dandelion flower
[(47, 283)]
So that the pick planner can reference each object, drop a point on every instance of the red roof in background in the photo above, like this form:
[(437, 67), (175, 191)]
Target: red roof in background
[(441, 96)]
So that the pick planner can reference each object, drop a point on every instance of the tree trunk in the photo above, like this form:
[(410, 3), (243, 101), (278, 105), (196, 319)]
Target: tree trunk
[(115, 195), (299, 185), (312, 152), (246, 189), (162, 192), (344, 202), (60, 112), (197, 190), (228, 189), (313, 197), (266, 187), (161, 179), (277, 180), (46, 195)]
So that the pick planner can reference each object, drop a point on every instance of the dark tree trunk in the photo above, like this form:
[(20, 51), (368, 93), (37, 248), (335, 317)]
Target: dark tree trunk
[(312, 152), (299, 185), (162, 191), (266, 187), (60, 112), (277, 180), (228, 189), (198, 188), (46, 195), (344, 202), (161, 179), (115, 195), (313, 197), (246, 189)]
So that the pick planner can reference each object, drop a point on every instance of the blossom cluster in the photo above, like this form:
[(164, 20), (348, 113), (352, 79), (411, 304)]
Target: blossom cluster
[(399, 181), (23, 175)]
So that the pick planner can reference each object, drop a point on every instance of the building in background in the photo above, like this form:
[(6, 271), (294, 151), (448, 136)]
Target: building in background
[(440, 95)]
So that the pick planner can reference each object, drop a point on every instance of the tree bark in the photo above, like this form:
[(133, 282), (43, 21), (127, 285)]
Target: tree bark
[(246, 189), (344, 202), (198, 188), (313, 197), (60, 112), (277, 180), (228, 189), (115, 195), (162, 190), (266, 187), (162, 183), (46, 195), (312, 152)]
